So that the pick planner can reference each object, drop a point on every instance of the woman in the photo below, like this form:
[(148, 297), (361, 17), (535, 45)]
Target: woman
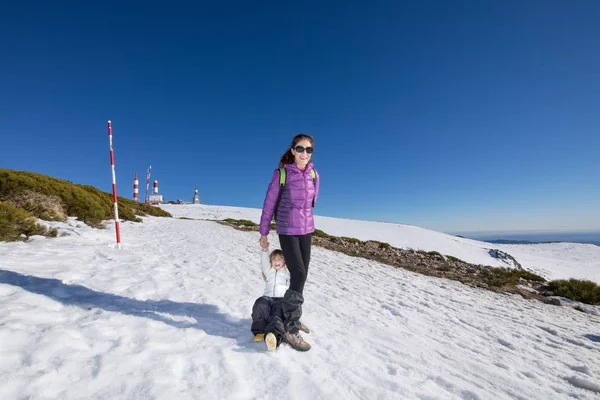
[(295, 225)]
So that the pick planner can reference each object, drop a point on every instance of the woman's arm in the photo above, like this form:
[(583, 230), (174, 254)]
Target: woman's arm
[(269, 204)]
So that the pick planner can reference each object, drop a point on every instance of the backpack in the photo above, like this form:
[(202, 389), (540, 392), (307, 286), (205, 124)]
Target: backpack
[(282, 179)]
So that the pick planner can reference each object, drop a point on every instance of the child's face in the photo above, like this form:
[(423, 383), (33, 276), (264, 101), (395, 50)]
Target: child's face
[(278, 262)]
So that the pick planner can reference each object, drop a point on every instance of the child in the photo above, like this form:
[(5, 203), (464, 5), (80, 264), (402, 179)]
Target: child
[(267, 312)]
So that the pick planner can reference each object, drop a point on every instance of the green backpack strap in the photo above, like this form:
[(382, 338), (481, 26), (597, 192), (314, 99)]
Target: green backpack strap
[(282, 177)]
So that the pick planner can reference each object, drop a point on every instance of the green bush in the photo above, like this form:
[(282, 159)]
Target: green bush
[(579, 290), (496, 276), (243, 222), (43, 196), (381, 245), (434, 253), (351, 240), (452, 258), (319, 233), (15, 221), (530, 276)]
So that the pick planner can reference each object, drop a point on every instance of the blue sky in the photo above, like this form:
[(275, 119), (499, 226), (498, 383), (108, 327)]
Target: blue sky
[(454, 116)]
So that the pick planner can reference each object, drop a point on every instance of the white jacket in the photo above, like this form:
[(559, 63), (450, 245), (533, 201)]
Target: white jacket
[(277, 282)]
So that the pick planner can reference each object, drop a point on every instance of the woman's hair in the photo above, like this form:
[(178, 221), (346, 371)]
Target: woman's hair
[(288, 157), (276, 253)]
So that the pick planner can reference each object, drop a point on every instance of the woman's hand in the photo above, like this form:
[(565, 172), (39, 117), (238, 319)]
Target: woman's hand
[(264, 243)]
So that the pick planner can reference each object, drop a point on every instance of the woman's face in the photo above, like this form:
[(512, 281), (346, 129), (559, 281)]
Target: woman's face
[(302, 158)]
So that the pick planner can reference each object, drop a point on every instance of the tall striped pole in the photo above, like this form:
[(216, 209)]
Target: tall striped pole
[(136, 185), (114, 185)]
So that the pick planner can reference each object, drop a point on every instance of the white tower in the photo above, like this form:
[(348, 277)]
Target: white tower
[(156, 198), (196, 199)]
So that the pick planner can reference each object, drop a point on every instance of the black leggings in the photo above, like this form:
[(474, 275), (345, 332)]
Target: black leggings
[(296, 250)]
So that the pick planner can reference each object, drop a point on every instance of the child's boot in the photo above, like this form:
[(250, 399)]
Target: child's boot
[(296, 341), (271, 341), (304, 328), (258, 337)]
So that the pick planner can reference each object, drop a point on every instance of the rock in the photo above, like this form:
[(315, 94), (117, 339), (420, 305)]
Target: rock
[(373, 245), (555, 301)]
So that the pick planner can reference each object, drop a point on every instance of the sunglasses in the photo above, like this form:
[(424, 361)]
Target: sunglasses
[(300, 149)]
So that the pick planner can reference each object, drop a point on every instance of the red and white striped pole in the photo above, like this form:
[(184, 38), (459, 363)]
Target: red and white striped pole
[(136, 185), (114, 185)]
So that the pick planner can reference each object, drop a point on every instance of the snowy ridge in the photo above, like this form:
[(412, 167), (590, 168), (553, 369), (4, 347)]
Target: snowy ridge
[(169, 315), (551, 260)]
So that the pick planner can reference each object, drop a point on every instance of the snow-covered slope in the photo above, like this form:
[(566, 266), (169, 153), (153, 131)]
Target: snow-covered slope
[(168, 317), (552, 261)]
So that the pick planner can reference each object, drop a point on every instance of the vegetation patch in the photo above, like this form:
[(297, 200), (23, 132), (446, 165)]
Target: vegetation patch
[(55, 199), (497, 276), (241, 222), (17, 224), (432, 263), (381, 245), (584, 291), (445, 267), (319, 233)]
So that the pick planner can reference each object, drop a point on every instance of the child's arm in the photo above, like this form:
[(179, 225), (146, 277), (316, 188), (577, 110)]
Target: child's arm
[(265, 262)]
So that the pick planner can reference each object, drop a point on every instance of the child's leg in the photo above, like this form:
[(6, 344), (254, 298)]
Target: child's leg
[(275, 324), (260, 314)]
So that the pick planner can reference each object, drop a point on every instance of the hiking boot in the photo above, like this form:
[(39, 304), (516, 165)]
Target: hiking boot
[(296, 341), (271, 341), (304, 328), (259, 337)]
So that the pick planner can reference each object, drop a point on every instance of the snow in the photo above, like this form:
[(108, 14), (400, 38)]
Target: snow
[(168, 316), (550, 260)]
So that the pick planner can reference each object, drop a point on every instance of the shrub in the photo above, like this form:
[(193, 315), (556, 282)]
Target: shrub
[(381, 245), (579, 290), (46, 207), (319, 233), (495, 276), (242, 222), (452, 258), (54, 199), (246, 222), (434, 253), (351, 240), (15, 221), (530, 276)]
